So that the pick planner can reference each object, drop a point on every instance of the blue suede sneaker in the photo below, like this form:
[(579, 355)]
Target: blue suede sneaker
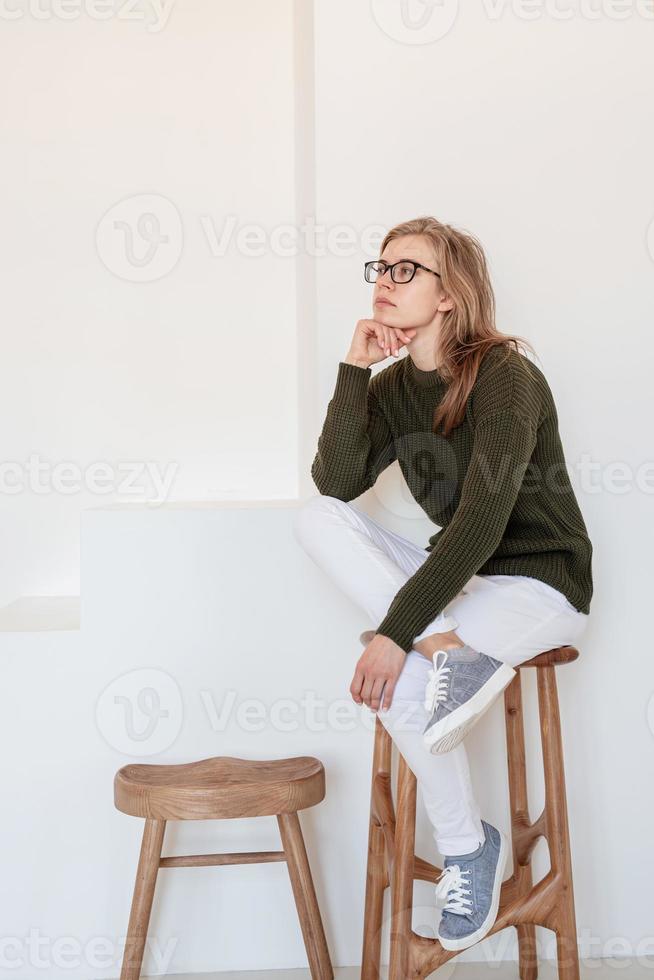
[(462, 684), (472, 884)]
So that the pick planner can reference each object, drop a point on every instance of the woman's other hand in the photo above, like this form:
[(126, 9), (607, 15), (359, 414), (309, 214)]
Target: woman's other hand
[(374, 341), (380, 664)]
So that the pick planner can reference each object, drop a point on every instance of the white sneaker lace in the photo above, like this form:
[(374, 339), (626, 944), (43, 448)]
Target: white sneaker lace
[(436, 689), (454, 882)]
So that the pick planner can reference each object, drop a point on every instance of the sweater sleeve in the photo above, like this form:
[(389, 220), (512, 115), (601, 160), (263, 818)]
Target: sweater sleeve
[(503, 444), (355, 444)]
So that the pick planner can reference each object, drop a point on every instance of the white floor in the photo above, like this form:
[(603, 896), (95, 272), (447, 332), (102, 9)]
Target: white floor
[(593, 970)]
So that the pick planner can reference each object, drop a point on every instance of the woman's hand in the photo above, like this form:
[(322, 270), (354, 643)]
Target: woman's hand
[(374, 341), (380, 664)]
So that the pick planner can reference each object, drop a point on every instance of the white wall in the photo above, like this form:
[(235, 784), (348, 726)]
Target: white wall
[(529, 132), (189, 373)]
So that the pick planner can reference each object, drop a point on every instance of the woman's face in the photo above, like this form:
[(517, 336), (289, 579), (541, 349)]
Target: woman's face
[(415, 303)]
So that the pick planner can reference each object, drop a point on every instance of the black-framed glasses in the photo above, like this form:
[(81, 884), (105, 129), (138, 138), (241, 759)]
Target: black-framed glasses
[(402, 271)]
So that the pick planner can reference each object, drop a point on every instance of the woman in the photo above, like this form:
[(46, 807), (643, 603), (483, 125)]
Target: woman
[(473, 425)]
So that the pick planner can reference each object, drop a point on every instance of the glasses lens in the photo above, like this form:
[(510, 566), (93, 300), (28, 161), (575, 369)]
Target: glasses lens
[(403, 272), (374, 270)]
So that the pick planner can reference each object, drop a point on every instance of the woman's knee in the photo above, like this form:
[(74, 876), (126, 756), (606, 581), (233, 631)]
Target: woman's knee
[(311, 515)]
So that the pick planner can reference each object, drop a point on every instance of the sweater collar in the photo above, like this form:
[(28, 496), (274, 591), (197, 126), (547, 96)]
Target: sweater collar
[(423, 379)]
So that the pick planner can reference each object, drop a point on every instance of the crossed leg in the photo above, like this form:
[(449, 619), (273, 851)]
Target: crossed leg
[(370, 564)]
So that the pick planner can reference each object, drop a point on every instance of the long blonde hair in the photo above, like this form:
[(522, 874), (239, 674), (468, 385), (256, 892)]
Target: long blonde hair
[(468, 330)]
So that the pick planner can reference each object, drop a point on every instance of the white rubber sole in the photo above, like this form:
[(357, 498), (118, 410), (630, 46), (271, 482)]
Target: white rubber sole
[(487, 924), (450, 730)]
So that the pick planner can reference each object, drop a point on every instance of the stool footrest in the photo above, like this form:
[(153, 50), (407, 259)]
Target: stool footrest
[(213, 860), (425, 870)]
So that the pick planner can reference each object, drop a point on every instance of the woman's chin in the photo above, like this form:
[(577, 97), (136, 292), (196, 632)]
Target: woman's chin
[(384, 314)]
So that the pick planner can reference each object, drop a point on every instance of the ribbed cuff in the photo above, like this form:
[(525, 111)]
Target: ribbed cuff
[(352, 384), (397, 631)]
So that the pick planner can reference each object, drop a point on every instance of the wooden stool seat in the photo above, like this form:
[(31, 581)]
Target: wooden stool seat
[(220, 787), (213, 789), (392, 861), (554, 658)]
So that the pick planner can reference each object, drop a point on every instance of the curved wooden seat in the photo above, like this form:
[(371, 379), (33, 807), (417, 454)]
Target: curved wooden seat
[(549, 658), (552, 658), (219, 787)]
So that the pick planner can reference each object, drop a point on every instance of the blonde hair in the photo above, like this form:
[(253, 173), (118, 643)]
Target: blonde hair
[(468, 330)]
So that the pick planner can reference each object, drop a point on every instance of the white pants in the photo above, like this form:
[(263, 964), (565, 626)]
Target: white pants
[(509, 617)]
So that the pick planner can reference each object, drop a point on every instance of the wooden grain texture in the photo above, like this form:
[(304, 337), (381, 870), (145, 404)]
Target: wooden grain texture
[(146, 878), (305, 896), (377, 865), (214, 789), (392, 861), (220, 787)]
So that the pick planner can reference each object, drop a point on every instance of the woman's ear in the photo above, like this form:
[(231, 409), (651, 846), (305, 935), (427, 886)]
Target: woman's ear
[(446, 303)]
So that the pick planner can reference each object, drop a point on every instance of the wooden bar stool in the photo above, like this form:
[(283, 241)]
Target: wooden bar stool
[(392, 860), (215, 789)]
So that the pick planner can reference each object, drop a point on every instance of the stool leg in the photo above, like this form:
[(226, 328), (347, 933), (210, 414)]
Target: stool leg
[(515, 744), (556, 815), (305, 896), (146, 878), (376, 867), (403, 868)]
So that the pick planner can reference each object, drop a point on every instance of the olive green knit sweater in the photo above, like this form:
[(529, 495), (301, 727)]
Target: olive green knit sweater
[(497, 486)]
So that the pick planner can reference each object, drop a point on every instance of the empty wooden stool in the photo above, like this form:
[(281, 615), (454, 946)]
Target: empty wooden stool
[(392, 859), (215, 789)]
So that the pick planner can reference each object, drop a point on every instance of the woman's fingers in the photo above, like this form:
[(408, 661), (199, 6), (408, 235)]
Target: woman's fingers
[(392, 339), (404, 334), (366, 689), (376, 693), (356, 685), (371, 690), (388, 695)]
